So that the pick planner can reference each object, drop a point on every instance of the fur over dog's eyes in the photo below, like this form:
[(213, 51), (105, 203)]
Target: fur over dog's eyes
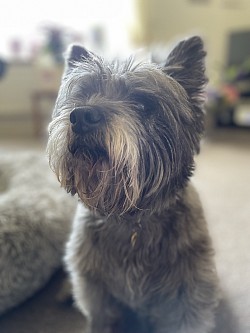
[(146, 106), (140, 107)]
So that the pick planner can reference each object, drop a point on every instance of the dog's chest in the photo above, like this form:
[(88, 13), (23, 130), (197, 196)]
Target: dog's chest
[(128, 260)]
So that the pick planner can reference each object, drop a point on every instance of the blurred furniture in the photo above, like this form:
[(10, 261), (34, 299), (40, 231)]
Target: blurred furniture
[(232, 104), (37, 111), (25, 87), (3, 67)]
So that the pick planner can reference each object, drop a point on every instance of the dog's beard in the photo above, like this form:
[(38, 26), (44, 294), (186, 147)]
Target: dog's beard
[(113, 170), (103, 169)]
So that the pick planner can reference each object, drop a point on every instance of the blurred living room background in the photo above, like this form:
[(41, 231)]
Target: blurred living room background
[(33, 39)]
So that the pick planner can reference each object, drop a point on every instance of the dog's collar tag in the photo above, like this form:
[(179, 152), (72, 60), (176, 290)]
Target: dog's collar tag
[(133, 238), (135, 235)]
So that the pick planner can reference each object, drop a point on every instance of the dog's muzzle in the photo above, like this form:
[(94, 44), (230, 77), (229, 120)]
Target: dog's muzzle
[(85, 119)]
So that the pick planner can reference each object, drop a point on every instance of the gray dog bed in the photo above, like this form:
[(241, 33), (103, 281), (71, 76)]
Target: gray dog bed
[(35, 220)]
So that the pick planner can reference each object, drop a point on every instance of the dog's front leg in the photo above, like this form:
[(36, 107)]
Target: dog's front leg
[(182, 316), (100, 308)]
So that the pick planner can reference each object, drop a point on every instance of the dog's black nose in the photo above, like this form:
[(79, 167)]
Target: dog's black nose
[(85, 119)]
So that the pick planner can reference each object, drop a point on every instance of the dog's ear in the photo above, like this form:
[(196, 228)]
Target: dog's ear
[(74, 55), (186, 64)]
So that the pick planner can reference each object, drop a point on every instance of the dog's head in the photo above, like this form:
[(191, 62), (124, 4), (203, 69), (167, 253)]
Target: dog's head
[(123, 135)]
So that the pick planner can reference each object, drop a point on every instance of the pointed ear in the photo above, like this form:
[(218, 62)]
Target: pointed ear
[(186, 64), (74, 55)]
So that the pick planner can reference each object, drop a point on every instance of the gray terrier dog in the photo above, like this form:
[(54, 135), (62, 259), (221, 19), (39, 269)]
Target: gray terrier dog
[(123, 138)]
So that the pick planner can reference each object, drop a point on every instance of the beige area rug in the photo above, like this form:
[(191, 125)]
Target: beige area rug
[(223, 180)]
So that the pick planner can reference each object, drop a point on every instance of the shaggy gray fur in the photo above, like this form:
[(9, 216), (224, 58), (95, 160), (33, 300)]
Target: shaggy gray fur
[(35, 217), (123, 137)]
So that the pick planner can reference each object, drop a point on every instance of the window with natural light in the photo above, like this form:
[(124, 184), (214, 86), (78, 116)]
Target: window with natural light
[(102, 24)]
